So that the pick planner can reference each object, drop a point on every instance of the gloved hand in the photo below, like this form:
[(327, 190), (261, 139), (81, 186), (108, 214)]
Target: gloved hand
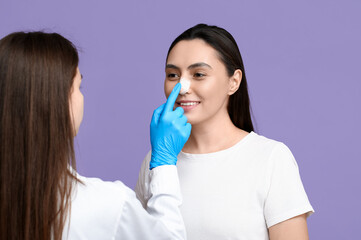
[(169, 131)]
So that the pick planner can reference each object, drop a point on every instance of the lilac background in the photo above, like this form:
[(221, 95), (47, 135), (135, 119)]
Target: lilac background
[(302, 61)]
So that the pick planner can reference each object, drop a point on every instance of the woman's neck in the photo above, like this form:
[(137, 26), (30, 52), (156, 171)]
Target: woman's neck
[(215, 134)]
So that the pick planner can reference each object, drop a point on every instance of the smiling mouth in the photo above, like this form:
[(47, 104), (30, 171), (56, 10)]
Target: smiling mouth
[(188, 103)]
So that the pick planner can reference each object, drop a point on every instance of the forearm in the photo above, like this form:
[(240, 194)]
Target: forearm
[(165, 199), (161, 218)]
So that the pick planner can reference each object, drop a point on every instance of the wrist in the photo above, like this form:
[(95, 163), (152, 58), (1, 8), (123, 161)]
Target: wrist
[(160, 160)]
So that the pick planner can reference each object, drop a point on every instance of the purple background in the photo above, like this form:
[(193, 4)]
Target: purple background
[(302, 60)]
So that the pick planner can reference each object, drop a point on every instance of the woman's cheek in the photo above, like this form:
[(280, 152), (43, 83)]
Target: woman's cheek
[(168, 87)]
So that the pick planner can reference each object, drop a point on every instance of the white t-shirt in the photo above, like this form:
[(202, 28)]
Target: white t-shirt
[(110, 210), (239, 192)]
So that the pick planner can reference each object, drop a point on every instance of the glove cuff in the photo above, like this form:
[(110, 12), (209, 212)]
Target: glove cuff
[(157, 161)]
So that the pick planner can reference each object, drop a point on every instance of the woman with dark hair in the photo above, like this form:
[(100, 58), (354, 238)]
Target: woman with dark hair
[(235, 183), (41, 195)]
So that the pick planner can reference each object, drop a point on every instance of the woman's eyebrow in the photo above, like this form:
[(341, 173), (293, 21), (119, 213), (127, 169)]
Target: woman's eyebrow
[(171, 66), (194, 65), (200, 64)]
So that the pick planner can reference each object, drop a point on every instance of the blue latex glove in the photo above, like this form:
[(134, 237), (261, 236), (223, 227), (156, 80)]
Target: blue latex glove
[(169, 131)]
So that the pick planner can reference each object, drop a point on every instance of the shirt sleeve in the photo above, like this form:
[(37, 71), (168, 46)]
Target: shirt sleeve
[(161, 219), (286, 196), (142, 186)]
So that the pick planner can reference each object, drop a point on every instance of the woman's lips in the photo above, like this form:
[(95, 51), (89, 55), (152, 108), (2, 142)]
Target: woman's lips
[(188, 105)]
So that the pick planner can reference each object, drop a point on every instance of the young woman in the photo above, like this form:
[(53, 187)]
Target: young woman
[(235, 183), (42, 197)]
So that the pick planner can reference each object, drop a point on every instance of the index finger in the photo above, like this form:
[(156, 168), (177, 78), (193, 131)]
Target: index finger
[(172, 98)]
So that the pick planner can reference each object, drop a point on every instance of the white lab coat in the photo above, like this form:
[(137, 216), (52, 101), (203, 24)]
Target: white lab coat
[(110, 210)]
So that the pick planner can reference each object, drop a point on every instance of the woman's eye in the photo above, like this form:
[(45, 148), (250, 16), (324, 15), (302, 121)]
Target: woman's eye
[(199, 75), (172, 76)]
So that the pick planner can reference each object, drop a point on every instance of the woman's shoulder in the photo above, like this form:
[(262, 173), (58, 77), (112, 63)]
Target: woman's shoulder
[(100, 195), (96, 206), (273, 151), (264, 143), (264, 149), (94, 182)]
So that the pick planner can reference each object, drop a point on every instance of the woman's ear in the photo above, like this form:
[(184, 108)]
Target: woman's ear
[(235, 81)]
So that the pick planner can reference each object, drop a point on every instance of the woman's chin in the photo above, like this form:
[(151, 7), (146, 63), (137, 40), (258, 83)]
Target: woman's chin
[(192, 120)]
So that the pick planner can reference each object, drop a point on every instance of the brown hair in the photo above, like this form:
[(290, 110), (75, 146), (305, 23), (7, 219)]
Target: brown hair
[(223, 42), (36, 134)]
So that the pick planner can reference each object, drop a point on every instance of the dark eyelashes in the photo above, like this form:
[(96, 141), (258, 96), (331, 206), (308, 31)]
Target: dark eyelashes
[(172, 75), (199, 75), (176, 76)]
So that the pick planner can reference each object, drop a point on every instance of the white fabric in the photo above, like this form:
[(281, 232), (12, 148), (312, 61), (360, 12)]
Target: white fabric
[(109, 210), (237, 193)]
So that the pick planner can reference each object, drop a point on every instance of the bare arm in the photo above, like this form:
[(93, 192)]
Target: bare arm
[(291, 229)]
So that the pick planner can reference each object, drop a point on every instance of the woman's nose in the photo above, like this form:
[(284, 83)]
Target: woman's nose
[(186, 83)]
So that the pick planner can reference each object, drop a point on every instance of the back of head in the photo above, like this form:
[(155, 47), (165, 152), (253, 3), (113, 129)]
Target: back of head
[(225, 45), (36, 134)]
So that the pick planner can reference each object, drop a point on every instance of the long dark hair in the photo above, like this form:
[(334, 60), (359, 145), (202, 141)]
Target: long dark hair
[(224, 43), (36, 134)]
